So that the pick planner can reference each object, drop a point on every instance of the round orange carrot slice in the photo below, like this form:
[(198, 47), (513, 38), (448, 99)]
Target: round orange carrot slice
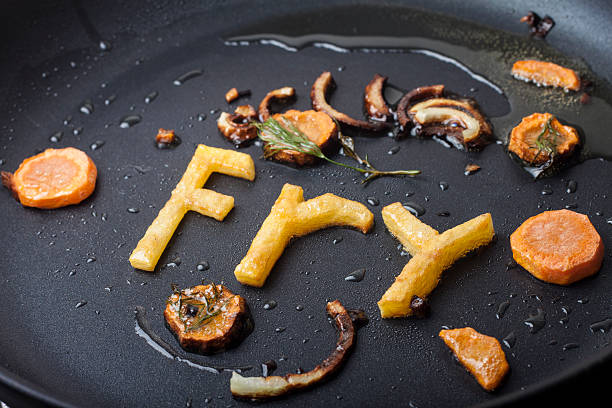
[(559, 247), (540, 136), (546, 74), (54, 178)]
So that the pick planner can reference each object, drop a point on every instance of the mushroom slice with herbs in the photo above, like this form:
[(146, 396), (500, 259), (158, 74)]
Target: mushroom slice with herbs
[(374, 103), (416, 95), (283, 94), (237, 127), (207, 319), (320, 88), (458, 120), (259, 388)]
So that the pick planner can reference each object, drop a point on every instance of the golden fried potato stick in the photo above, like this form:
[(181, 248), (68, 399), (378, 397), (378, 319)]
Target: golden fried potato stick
[(430, 258), (189, 196), (290, 217), (409, 231)]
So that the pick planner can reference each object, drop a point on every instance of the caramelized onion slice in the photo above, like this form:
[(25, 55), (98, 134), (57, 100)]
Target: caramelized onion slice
[(374, 102), (459, 120), (283, 94), (274, 386), (414, 96), (237, 127), (318, 94)]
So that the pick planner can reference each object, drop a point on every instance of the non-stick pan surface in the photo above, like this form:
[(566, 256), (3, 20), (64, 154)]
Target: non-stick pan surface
[(55, 352)]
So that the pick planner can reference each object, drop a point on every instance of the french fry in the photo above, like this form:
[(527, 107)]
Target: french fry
[(408, 229), (421, 274), (290, 217), (189, 196)]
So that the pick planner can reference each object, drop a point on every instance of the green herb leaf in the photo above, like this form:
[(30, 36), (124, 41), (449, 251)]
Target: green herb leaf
[(286, 136)]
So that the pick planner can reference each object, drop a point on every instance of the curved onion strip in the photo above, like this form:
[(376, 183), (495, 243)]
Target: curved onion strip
[(273, 386), (281, 94), (318, 94), (417, 94), (374, 102)]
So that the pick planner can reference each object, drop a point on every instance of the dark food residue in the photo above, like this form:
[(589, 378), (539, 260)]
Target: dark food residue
[(538, 27)]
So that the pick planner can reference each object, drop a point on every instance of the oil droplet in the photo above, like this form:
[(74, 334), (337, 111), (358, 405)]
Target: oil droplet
[(151, 97), (187, 76), (87, 107), (77, 131), (355, 276), (570, 346), (91, 259), (56, 137), (97, 144), (299, 308), (129, 121), (80, 304), (373, 201), (393, 150), (110, 100), (443, 185), (602, 326), (337, 240), (443, 214), (571, 187), (414, 208), (268, 367), (501, 309), (133, 210), (105, 45), (201, 117), (547, 191), (536, 321), (270, 304), (510, 340), (203, 266)]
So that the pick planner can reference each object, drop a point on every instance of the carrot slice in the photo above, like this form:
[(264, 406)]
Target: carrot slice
[(546, 74), (559, 247), (320, 129), (540, 137), (481, 355), (54, 178)]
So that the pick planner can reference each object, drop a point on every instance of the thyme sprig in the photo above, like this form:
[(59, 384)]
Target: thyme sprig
[(547, 144), (286, 136)]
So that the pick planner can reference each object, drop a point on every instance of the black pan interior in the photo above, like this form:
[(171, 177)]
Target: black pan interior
[(53, 260)]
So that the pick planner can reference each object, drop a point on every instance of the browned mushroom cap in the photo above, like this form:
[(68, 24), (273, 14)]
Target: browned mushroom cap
[(414, 96), (237, 127), (318, 94), (274, 386), (374, 102), (458, 120), (283, 94)]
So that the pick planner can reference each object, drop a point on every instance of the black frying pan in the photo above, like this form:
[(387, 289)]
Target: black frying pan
[(55, 353)]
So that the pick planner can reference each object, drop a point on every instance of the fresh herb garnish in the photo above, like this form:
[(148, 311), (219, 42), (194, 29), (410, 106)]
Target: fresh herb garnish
[(286, 136), (547, 144)]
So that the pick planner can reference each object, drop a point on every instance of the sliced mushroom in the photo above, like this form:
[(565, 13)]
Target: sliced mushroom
[(237, 127), (459, 121), (412, 97), (283, 94), (374, 102), (318, 94), (259, 388), (233, 94)]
